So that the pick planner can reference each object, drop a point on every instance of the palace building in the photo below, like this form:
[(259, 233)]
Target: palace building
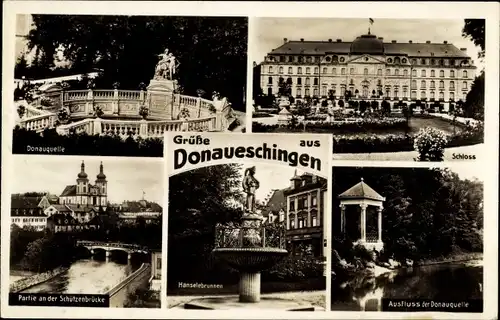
[(369, 68), (85, 194)]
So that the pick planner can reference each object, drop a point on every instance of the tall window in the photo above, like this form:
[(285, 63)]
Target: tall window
[(334, 71), (441, 84), (433, 84), (405, 92), (299, 92), (441, 95), (405, 72), (422, 84), (422, 61), (299, 80), (308, 81), (388, 72), (315, 81), (441, 73), (351, 71), (314, 221), (342, 91), (414, 94), (323, 90), (290, 58), (433, 95), (290, 71), (365, 71), (452, 73), (308, 70), (281, 70), (342, 71), (452, 85), (396, 72), (282, 58), (452, 95), (316, 70), (379, 72), (423, 73), (422, 94), (315, 92), (465, 73), (325, 70), (299, 70), (270, 69), (414, 84), (270, 80), (433, 73), (308, 92), (464, 85), (396, 91), (414, 73)]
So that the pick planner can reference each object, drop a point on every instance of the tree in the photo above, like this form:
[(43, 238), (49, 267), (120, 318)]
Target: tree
[(474, 102), (212, 51), (406, 113), (21, 111), (21, 68), (386, 108), (475, 30)]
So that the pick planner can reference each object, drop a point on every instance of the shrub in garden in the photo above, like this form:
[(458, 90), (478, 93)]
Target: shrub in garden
[(430, 144), (295, 269)]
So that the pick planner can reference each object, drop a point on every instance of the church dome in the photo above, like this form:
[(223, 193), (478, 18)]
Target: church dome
[(82, 175), (367, 43), (101, 176)]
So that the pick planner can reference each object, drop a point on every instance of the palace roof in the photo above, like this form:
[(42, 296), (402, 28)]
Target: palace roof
[(371, 45), (361, 191), (24, 202), (276, 203)]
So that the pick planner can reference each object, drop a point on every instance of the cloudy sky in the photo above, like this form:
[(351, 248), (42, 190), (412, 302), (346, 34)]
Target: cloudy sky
[(127, 177), (269, 32)]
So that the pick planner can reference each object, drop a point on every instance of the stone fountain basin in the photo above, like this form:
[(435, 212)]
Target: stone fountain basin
[(251, 259)]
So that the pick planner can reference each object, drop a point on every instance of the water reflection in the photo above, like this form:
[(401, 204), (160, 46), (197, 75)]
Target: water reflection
[(435, 282)]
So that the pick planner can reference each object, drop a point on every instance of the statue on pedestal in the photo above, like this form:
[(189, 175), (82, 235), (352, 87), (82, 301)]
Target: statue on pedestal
[(250, 185), (166, 67)]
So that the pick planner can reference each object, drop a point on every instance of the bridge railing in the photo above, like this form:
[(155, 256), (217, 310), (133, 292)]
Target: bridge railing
[(111, 245)]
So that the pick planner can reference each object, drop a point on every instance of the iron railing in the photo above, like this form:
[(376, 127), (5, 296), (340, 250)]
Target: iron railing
[(250, 237)]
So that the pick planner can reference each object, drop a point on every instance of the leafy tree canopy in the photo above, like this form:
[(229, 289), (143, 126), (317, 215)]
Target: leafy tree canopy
[(475, 30)]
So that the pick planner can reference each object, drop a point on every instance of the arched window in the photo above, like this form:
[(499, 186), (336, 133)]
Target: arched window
[(403, 60), (308, 81), (441, 95), (433, 84), (290, 58), (334, 71), (405, 72), (379, 72), (441, 84), (308, 92), (452, 73), (379, 82), (325, 71), (299, 70), (441, 73), (270, 80), (342, 71), (316, 70), (335, 59), (433, 95), (414, 73), (405, 92), (308, 70), (452, 95), (280, 70), (422, 94), (389, 60), (315, 81), (342, 59), (290, 70), (299, 80), (433, 73), (397, 60), (365, 71), (315, 92), (464, 85), (414, 84), (396, 72), (452, 85), (422, 84), (422, 61), (388, 72), (299, 92), (465, 73), (323, 90), (423, 73), (270, 69)]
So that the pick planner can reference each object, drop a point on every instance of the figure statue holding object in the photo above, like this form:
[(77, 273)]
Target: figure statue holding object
[(250, 185)]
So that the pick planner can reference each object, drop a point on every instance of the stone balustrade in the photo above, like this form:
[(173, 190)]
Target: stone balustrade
[(39, 122)]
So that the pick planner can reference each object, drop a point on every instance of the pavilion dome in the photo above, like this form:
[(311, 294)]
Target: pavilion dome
[(361, 191), (367, 43)]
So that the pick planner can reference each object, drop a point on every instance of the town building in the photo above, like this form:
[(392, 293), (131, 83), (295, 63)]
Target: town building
[(85, 194), (27, 211), (369, 68), (155, 280)]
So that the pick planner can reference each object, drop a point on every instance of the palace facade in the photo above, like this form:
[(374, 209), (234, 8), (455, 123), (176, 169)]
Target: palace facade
[(369, 68)]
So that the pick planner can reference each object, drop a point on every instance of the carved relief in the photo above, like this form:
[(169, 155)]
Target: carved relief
[(104, 106), (128, 107), (76, 108)]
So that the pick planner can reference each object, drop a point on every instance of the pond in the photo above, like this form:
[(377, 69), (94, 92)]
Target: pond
[(443, 282)]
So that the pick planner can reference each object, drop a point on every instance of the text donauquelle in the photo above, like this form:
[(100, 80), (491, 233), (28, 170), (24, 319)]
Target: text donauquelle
[(181, 156)]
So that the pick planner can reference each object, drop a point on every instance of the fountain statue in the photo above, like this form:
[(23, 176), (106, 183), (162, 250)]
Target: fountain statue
[(249, 247)]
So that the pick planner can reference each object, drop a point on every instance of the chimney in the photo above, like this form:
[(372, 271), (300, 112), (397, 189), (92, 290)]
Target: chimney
[(339, 40), (381, 38), (302, 39), (445, 42), (428, 41), (410, 41), (393, 41), (463, 49), (285, 40), (329, 40)]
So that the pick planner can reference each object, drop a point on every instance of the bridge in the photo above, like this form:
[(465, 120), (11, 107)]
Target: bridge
[(108, 247), (122, 112)]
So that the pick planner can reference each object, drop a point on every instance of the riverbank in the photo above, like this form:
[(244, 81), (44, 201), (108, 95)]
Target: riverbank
[(457, 257), (35, 279)]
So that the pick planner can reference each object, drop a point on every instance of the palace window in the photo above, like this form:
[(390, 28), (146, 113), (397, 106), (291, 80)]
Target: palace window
[(441, 73), (414, 73), (270, 69), (365, 71), (413, 61), (323, 90), (452, 73), (433, 84), (280, 70), (414, 84), (316, 59), (452, 85), (388, 72), (464, 85), (292, 224), (441, 95), (292, 204), (397, 60), (315, 81), (300, 59), (351, 71), (404, 60), (308, 70), (396, 72), (405, 92), (405, 72), (342, 71), (379, 82), (433, 95), (334, 71), (422, 94), (299, 70), (309, 59), (315, 92), (282, 58), (308, 92), (325, 71), (422, 61), (414, 95), (299, 80), (441, 62), (422, 84), (316, 70), (433, 62), (396, 91), (314, 221), (335, 59), (299, 92), (433, 73), (290, 58), (351, 82), (441, 84), (328, 59), (452, 95), (365, 91), (281, 80), (290, 70), (389, 60), (387, 92), (379, 72), (423, 73), (465, 74), (301, 222), (342, 91), (308, 81)]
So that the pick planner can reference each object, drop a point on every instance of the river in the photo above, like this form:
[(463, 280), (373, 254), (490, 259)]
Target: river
[(89, 276), (450, 281)]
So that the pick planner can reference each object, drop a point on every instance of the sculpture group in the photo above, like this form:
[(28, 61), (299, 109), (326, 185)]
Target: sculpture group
[(166, 67)]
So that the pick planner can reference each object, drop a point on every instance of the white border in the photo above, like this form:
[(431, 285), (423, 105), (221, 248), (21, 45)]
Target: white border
[(428, 10)]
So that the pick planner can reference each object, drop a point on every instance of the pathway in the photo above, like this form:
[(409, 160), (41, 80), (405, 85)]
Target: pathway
[(450, 154)]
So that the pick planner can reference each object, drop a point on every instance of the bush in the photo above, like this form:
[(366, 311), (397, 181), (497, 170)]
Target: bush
[(372, 143), (295, 269), (430, 144)]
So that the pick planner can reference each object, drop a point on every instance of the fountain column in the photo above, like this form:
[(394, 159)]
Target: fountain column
[(342, 218), (380, 223), (363, 222), (249, 287)]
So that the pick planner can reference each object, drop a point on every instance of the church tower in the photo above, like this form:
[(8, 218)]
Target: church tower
[(102, 184), (82, 186)]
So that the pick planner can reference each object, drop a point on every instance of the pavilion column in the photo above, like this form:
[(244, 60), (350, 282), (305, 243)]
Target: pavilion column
[(342, 218), (363, 222), (380, 223)]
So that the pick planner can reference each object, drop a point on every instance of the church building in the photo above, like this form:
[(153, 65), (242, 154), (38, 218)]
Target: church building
[(85, 194)]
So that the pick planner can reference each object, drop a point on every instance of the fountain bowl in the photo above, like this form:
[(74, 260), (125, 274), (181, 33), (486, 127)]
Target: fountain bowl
[(254, 259)]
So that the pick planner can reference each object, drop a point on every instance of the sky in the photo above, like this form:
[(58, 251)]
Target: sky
[(269, 32), (467, 170), (127, 177)]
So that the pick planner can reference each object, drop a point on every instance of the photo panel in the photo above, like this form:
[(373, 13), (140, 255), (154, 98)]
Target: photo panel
[(85, 232), (408, 239), (247, 222), (114, 84), (385, 89)]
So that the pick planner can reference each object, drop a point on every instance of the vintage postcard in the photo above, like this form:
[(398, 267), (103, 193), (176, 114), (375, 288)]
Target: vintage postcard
[(385, 89), (85, 232), (247, 221), (113, 85)]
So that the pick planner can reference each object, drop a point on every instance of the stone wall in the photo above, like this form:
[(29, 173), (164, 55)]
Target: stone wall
[(118, 296), (26, 283)]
